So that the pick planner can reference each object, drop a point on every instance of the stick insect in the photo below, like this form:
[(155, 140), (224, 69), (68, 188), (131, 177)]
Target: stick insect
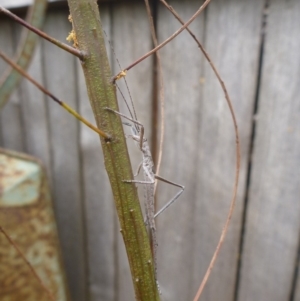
[(137, 130), (147, 164)]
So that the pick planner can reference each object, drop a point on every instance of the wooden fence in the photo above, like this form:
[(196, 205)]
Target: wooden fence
[(259, 259)]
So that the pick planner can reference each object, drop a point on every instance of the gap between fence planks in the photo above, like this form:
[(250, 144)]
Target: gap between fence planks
[(273, 215)]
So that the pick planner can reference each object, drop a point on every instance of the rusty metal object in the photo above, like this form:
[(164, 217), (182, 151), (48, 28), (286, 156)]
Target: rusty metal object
[(26, 214)]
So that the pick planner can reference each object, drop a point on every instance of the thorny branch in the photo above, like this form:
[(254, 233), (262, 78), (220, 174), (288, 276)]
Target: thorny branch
[(174, 35), (54, 98), (42, 34)]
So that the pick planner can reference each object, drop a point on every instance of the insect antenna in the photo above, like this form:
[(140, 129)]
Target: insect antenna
[(132, 111)]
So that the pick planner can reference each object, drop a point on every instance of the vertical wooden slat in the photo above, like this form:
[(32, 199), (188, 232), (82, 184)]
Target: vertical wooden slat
[(60, 78), (200, 144), (273, 216), (232, 39), (34, 110), (97, 198), (131, 39), (182, 70)]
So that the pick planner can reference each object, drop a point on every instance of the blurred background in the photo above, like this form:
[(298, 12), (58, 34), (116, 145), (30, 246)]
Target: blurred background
[(256, 47)]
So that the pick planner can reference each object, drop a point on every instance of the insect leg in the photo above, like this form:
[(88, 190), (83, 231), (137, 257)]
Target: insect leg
[(138, 169), (177, 195), (138, 182), (132, 120)]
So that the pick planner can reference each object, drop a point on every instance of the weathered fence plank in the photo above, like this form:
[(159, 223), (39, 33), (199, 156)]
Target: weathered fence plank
[(200, 143), (273, 215), (232, 39), (60, 78), (34, 114), (175, 226)]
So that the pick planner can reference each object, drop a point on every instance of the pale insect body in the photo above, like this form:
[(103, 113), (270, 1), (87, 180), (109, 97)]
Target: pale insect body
[(147, 163), (149, 181)]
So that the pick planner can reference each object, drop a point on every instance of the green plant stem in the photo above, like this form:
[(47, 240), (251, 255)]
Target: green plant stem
[(87, 27)]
